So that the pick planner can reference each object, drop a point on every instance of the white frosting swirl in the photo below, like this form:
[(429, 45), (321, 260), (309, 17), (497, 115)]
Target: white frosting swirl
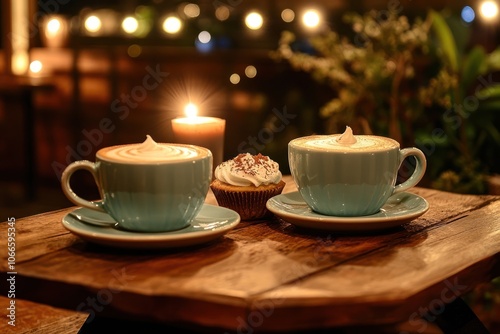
[(347, 138), (247, 169), (151, 152)]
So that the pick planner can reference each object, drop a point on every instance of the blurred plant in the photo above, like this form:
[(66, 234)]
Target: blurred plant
[(471, 105), (399, 79), (372, 77)]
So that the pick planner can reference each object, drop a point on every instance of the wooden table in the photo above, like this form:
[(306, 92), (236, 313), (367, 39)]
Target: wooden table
[(270, 276)]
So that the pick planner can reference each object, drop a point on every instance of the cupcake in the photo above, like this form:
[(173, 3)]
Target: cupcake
[(245, 183)]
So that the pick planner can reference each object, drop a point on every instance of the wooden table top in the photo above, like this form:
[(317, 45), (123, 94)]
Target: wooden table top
[(269, 275)]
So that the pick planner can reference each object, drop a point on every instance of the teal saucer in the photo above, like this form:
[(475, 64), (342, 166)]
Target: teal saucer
[(399, 209), (211, 223)]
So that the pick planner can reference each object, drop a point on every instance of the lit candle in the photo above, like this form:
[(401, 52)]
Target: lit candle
[(201, 131)]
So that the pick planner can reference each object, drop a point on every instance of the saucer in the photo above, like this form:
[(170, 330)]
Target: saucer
[(399, 209), (210, 223)]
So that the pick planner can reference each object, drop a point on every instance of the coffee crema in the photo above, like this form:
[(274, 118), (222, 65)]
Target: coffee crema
[(152, 152), (364, 143)]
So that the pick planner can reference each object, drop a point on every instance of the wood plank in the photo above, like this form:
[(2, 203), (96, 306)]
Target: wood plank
[(37, 318)]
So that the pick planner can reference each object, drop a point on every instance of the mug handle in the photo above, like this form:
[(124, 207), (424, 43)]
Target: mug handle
[(419, 171), (70, 194)]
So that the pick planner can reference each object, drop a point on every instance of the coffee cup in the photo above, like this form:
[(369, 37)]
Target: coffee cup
[(147, 187), (346, 175)]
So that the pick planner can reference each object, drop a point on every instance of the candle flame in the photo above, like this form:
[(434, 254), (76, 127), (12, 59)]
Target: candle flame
[(191, 110)]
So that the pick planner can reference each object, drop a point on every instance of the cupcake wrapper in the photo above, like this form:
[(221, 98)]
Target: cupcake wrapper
[(249, 205)]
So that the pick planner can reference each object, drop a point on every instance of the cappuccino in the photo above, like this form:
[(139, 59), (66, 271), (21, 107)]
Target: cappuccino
[(151, 152), (346, 175), (147, 187)]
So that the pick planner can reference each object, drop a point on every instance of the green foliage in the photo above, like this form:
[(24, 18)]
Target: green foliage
[(410, 81)]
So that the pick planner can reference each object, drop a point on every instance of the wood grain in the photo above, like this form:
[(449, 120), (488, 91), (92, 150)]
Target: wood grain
[(270, 273)]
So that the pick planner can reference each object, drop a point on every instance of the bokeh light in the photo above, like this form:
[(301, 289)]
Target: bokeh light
[(250, 71), (134, 50), (93, 24), (172, 25), (204, 37), (36, 66), (489, 10), (311, 19), (468, 14), (130, 25), (222, 13), (53, 27), (287, 15), (254, 21), (234, 78), (192, 10)]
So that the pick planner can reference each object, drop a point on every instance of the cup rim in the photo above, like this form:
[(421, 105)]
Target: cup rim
[(207, 154), (293, 144)]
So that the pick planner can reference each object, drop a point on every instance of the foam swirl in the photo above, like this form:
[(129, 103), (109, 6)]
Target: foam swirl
[(151, 152), (364, 143)]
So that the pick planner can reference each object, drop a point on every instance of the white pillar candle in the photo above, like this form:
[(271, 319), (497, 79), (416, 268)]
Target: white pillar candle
[(201, 131)]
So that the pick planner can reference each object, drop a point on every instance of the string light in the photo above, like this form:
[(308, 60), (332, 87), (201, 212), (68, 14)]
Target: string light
[(192, 10), (130, 25), (204, 37), (36, 66), (311, 18), (489, 10), (250, 71), (468, 14), (254, 21), (93, 24), (287, 15), (234, 78), (172, 25), (53, 27)]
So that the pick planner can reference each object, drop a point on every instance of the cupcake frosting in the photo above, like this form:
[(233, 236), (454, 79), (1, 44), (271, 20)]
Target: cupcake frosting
[(247, 169)]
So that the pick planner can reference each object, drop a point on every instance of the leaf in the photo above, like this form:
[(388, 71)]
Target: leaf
[(491, 92), (445, 37), (474, 66), (493, 60)]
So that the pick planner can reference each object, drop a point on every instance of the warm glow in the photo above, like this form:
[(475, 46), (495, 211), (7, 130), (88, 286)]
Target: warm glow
[(93, 24), (234, 78), (36, 66), (311, 19), (53, 27), (222, 13), (191, 110), (250, 71), (204, 37), (192, 10), (287, 15), (489, 10), (172, 25), (254, 21), (20, 62), (19, 37), (130, 25), (134, 50)]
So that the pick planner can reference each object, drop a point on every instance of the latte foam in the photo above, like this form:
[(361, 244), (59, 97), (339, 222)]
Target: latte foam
[(151, 152), (364, 143)]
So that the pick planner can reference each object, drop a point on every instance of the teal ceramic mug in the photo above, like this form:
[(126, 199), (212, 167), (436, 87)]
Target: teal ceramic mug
[(147, 187), (353, 179)]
